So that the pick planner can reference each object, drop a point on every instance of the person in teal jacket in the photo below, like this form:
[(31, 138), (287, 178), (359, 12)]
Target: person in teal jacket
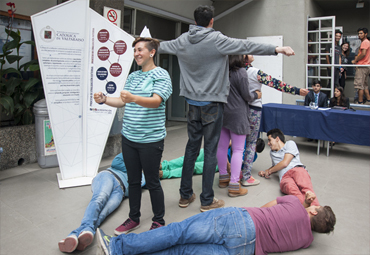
[(173, 168)]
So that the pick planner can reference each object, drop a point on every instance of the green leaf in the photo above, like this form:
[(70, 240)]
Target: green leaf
[(12, 58), (27, 117), (30, 83), (29, 98), (12, 84), (11, 70), (12, 34), (2, 61), (10, 45), (32, 63), (28, 42), (7, 103)]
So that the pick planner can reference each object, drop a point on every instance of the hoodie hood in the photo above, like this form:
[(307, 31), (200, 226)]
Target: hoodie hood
[(197, 33)]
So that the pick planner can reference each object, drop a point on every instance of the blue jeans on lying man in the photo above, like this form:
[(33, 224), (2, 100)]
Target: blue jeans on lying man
[(107, 196), (220, 231)]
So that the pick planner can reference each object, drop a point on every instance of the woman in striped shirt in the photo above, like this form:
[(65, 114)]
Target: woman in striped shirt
[(143, 130)]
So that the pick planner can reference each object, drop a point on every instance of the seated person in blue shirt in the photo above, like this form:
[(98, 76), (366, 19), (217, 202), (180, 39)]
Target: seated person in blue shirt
[(109, 188), (320, 99)]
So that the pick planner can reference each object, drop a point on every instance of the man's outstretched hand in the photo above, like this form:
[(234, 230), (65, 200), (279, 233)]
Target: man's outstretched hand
[(286, 50)]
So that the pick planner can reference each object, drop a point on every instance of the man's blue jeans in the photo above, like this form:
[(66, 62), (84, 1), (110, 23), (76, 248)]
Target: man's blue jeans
[(220, 231), (107, 196), (202, 121)]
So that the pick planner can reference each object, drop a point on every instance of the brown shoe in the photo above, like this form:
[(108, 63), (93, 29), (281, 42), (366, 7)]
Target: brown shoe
[(224, 180), (215, 204), (236, 190), (183, 203)]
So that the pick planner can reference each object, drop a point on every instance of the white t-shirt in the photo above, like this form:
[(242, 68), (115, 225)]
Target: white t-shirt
[(277, 156)]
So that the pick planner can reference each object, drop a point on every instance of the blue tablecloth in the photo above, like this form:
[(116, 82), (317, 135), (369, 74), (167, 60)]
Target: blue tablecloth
[(343, 126)]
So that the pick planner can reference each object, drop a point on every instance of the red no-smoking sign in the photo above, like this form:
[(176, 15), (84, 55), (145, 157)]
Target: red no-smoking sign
[(112, 15)]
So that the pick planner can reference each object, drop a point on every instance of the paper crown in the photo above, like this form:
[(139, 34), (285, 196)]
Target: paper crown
[(145, 33)]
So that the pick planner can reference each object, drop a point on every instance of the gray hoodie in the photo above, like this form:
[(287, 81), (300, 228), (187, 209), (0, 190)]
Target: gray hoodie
[(203, 58)]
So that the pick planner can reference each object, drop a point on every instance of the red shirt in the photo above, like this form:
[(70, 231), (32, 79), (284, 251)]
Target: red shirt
[(283, 227)]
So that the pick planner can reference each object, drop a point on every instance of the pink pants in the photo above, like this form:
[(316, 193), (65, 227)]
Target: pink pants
[(297, 182), (237, 145)]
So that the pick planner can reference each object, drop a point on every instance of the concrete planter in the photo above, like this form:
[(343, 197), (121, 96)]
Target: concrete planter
[(19, 146)]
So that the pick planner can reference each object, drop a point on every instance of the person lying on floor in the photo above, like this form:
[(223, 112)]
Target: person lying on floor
[(173, 168), (294, 178), (281, 225), (109, 188)]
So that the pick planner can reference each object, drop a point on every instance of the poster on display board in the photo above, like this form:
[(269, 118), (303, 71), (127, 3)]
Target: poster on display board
[(79, 56), (49, 145)]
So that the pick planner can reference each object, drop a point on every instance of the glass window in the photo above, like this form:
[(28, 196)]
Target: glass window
[(184, 27), (127, 19), (160, 28)]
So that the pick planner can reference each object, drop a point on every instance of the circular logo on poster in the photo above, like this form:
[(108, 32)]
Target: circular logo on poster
[(47, 34), (111, 87), (103, 53), (115, 69), (102, 73), (120, 47), (103, 35)]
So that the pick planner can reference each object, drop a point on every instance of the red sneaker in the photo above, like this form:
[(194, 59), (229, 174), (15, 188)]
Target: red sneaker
[(126, 227)]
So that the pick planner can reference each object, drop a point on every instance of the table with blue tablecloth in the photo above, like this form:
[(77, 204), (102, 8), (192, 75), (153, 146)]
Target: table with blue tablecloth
[(342, 126)]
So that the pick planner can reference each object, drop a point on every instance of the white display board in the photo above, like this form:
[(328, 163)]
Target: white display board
[(79, 56), (272, 65)]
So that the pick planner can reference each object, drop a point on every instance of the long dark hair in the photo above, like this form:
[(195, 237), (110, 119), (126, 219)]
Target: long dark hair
[(342, 98), (236, 62)]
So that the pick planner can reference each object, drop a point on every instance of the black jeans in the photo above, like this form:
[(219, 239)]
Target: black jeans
[(144, 157), (203, 121)]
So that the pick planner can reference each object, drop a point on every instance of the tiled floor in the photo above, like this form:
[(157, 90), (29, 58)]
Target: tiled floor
[(35, 214)]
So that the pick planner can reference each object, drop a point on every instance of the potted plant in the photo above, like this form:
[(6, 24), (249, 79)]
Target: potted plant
[(18, 90)]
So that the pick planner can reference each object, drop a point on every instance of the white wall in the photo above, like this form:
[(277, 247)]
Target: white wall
[(30, 7), (270, 18), (183, 8)]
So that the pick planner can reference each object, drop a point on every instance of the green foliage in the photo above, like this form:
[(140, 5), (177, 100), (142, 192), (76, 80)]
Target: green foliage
[(17, 92)]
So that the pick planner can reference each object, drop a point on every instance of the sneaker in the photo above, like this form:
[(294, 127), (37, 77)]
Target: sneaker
[(183, 203), (156, 225), (103, 241), (235, 190), (215, 204), (250, 182), (69, 244), (84, 239), (126, 227)]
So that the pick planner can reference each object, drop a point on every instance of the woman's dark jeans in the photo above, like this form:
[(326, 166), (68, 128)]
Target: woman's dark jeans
[(144, 157)]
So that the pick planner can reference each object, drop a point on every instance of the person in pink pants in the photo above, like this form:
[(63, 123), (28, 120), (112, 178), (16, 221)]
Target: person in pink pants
[(294, 178)]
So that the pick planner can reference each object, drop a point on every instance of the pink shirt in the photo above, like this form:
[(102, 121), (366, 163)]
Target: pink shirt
[(283, 227), (365, 60)]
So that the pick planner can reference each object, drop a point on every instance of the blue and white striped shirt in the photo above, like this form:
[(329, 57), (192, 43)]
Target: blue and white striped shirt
[(141, 124)]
